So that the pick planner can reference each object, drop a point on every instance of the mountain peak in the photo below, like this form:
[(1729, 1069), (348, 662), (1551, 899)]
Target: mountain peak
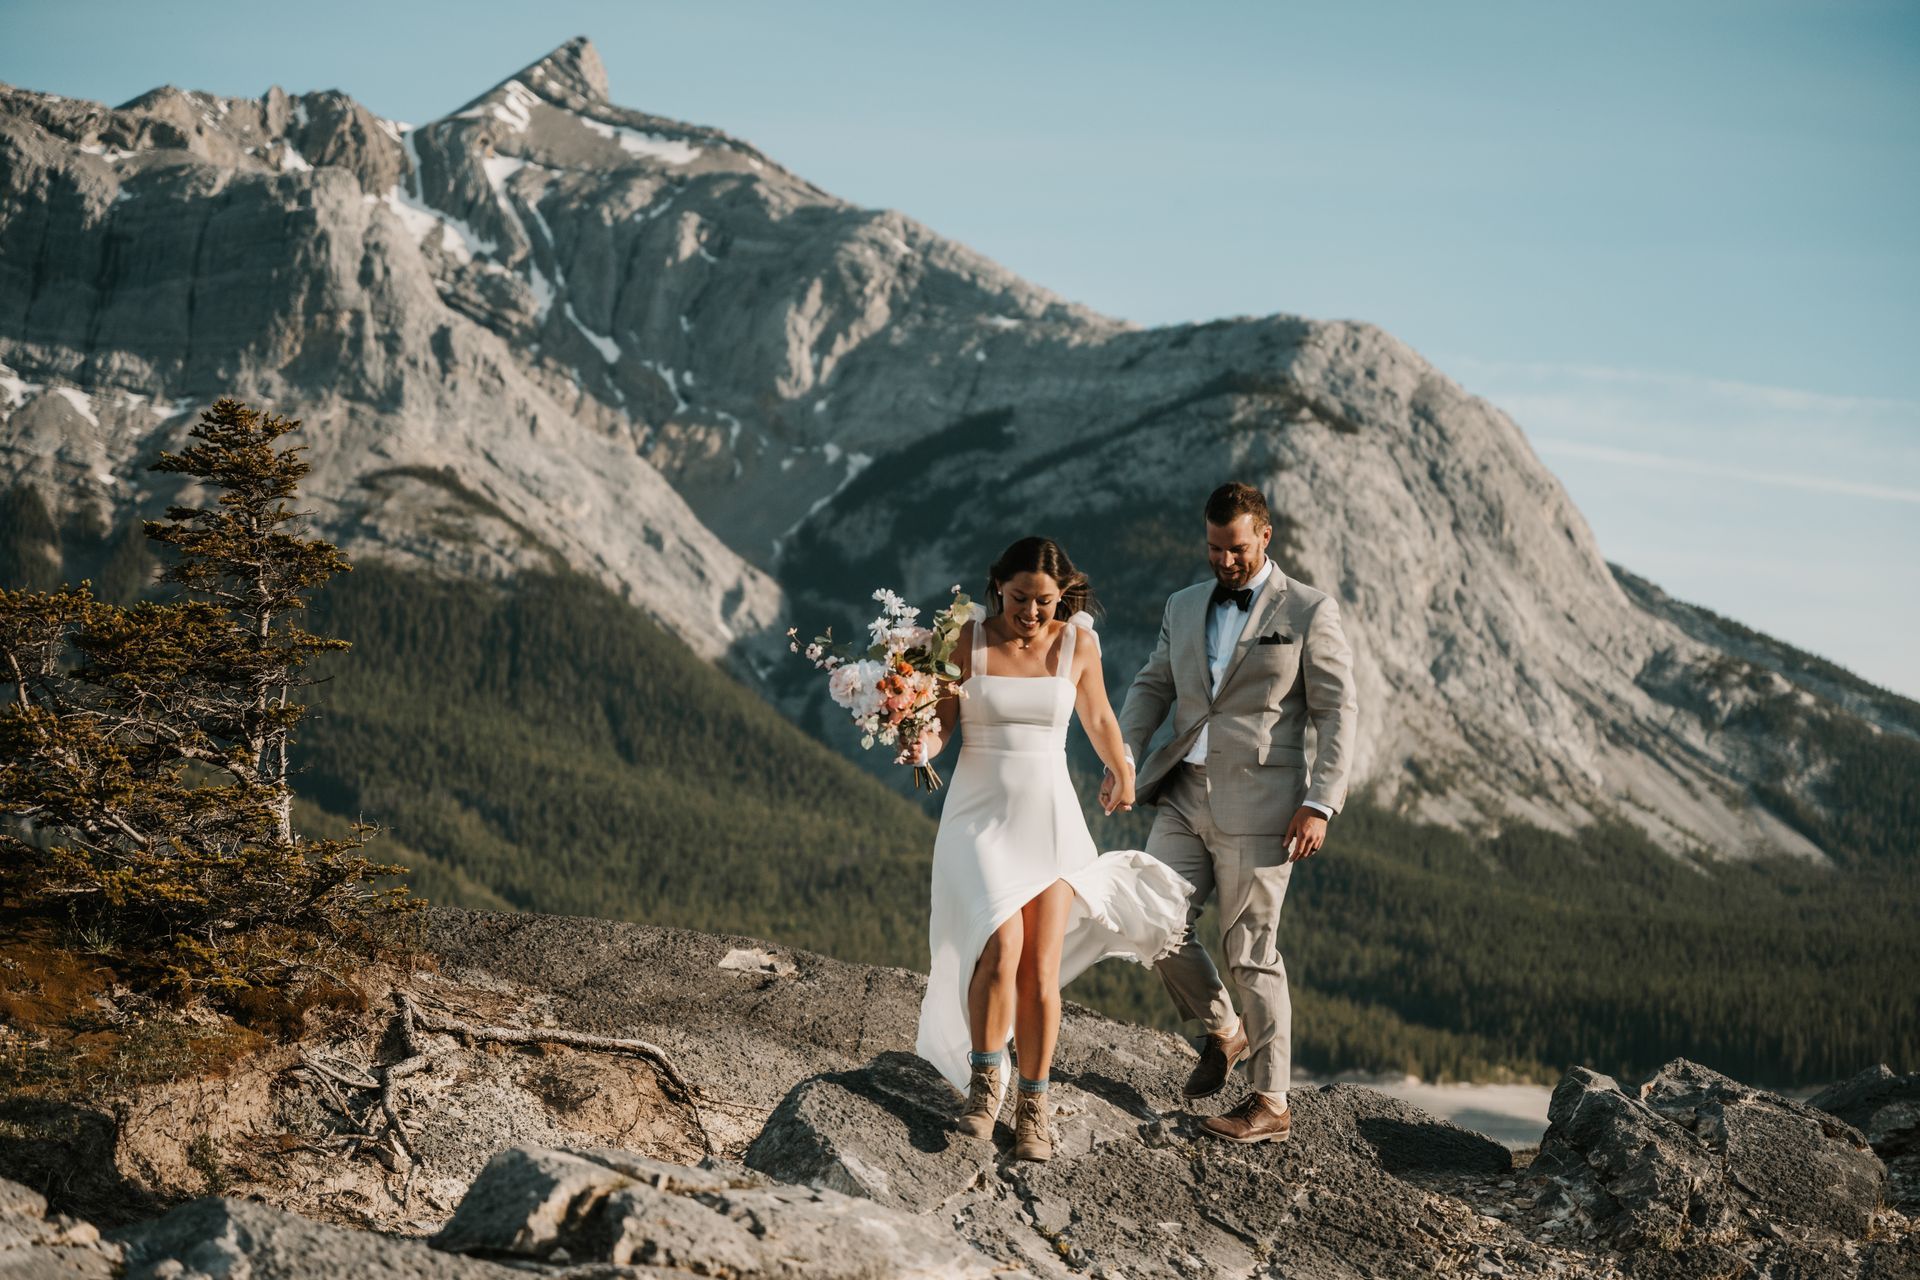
[(573, 71)]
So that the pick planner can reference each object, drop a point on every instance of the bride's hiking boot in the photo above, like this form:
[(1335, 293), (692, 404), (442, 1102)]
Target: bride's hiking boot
[(1032, 1129), (1254, 1120), (986, 1090), (1216, 1060)]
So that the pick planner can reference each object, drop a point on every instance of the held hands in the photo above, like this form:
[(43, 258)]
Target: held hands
[(1305, 834), (1116, 794)]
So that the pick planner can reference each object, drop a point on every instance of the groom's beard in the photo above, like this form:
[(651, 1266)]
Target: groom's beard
[(1239, 577)]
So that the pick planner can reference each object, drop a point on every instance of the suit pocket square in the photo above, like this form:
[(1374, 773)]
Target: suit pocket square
[(1276, 638)]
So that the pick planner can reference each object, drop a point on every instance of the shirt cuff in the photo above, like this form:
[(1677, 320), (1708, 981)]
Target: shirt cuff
[(1128, 752), (1317, 807)]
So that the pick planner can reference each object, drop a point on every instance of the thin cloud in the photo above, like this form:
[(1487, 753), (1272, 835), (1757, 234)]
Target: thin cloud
[(1693, 466), (1784, 399)]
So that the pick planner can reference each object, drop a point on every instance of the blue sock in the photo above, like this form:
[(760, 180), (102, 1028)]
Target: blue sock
[(1033, 1086), (997, 1058)]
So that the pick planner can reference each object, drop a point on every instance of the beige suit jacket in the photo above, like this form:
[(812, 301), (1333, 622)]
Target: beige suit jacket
[(1257, 769)]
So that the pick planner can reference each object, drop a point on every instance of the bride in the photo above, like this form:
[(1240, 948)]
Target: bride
[(1021, 902)]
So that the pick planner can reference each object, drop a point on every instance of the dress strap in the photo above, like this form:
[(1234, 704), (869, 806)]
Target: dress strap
[(979, 667), (1065, 665)]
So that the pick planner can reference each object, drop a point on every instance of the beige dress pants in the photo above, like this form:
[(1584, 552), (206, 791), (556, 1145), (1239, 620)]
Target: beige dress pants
[(1250, 875)]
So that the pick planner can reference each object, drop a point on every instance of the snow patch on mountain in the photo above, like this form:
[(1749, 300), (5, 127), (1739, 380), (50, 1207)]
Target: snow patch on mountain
[(671, 151), (82, 403), (609, 349), (513, 108)]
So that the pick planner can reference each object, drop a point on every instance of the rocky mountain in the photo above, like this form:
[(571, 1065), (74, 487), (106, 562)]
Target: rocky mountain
[(545, 328), (571, 1097)]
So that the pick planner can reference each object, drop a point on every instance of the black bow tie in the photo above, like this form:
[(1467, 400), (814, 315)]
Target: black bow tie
[(1243, 597)]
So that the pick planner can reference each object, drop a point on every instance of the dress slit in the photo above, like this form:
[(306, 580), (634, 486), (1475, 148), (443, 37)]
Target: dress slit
[(1010, 828)]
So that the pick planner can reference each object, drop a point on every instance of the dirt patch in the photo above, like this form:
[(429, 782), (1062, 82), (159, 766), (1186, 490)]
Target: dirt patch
[(295, 1121)]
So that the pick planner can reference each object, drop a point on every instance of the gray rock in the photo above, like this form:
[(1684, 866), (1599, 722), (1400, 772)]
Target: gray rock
[(882, 1132), (1796, 1164), (1880, 1104), (1130, 1188), (1699, 1155), (614, 1207), (1637, 1179), (525, 1201), (36, 1245), (223, 1239)]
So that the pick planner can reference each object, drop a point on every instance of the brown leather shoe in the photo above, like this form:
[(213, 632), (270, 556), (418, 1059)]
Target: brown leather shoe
[(1254, 1120), (1216, 1060)]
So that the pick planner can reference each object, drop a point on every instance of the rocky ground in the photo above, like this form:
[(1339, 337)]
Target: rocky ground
[(731, 1109)]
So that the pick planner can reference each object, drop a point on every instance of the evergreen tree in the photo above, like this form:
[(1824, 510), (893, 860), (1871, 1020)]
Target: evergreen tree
[(146, 747)]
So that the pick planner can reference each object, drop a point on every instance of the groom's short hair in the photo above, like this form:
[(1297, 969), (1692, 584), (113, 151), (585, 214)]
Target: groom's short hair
[(1231, 501)]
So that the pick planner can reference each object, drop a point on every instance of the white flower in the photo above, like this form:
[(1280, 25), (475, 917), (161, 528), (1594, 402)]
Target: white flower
[(900, 639), (813, 653), (852, 686)]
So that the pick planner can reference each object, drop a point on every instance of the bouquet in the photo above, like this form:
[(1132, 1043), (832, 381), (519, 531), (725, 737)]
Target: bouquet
[(892, 687)]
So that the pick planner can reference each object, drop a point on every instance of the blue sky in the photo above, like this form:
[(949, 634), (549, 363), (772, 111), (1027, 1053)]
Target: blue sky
[(1675, 241)]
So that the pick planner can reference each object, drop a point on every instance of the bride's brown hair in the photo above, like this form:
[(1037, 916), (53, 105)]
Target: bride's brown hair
[(1043, 555)]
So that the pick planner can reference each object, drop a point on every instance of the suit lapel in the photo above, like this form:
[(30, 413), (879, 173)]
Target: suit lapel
[(1258, 617), (1190, 628)]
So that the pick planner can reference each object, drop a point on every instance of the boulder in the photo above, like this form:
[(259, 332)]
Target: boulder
[(218, 1238), (1883, 1106), (599, 1205), (1635, 1178), (36, 1245), (1793, 1163), (1132, 1189), (1699, 1155), (882, 1132)]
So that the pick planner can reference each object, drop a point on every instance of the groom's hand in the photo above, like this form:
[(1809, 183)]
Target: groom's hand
[(1305, 834)]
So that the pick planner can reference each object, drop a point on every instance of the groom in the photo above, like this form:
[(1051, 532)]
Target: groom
[(1243, 662)]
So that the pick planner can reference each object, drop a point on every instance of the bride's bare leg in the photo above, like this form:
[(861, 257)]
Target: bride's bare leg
[(1037, 1010), (992, 989)]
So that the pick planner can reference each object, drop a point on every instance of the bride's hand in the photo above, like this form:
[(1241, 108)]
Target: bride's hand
[(1116, 794), (927, 747)]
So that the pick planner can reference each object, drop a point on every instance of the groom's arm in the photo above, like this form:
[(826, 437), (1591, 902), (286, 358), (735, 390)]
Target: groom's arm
[(1331, 705), (1150, 695)]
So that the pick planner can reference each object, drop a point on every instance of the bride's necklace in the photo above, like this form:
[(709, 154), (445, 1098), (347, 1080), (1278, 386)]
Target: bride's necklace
[(1024, 644)]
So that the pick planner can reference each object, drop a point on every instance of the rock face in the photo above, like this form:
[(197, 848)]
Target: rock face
[(1700, 1157), (224, 1239), (828, 1150), (545, 329), (37, 1246), (1883, 1106), (1133, 1186), (616, 1207), (1886, 1108), (182, 247)]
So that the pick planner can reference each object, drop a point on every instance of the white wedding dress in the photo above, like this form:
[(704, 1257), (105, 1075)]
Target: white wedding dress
[(1010, 827)]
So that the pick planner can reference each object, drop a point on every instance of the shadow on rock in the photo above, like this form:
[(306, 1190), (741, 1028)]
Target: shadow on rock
[(881, 1132), (66, 1152), (1118, 1092), (1431, 1146)]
